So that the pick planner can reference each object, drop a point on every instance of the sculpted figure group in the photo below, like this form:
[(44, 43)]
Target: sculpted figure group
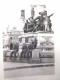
[(40, 23)]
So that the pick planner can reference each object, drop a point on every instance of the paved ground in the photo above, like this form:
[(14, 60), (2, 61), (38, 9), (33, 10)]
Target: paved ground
[(40, 77), (10, 65), (29, 72), (13, 70)]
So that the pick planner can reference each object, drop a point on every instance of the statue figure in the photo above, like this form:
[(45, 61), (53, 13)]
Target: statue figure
[(43, 22), (29, 25), (39, 22), (26, 26), (49, 23)]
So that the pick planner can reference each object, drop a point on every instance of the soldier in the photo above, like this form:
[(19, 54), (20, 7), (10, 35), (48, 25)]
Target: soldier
[(24, 50), (39, 20), (49, 22), (31, 24), (15, 50), (26, 26), (35, 43), (11, 46), (45, 22), (29, 52)]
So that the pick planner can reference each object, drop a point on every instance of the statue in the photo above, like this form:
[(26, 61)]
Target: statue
[(29, 25), (49, 23), (43, 22), (26, 26), (39, 22)]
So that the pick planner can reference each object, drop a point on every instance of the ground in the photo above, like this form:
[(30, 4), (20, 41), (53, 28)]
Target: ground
[(12, 70)]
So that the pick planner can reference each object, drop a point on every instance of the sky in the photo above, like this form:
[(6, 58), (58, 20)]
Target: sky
[(10, 12)]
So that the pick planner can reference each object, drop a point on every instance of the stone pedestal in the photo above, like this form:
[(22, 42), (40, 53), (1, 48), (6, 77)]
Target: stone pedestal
[(35, 54)]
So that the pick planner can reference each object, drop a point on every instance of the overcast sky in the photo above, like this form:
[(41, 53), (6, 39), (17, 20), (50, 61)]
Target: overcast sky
[(10, 11)]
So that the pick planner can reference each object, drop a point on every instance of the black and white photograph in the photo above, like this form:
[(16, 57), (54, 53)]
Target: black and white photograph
[(28, 49)]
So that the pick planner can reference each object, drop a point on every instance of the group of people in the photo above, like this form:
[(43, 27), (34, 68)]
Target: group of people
[(41, 22), (26, 49), (14, 48)]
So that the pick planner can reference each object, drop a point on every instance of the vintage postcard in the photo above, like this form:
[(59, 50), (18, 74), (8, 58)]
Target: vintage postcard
[(28, 41)]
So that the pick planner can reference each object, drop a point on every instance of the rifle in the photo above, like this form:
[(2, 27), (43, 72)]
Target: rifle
[(50, 15)]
